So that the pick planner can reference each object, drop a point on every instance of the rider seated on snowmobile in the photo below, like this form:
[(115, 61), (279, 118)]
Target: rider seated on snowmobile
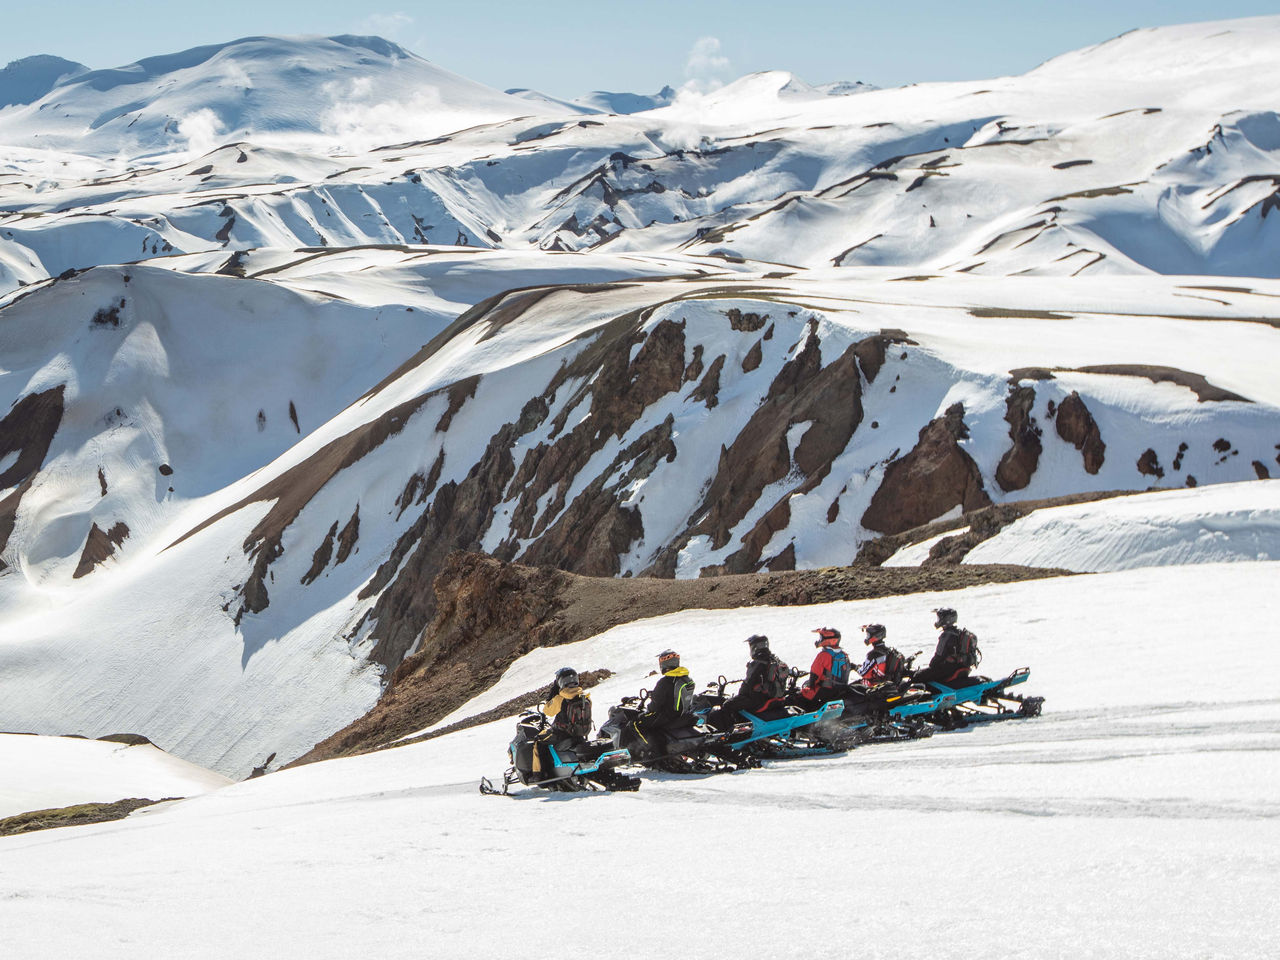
[(568, 708), (829, 675), (883, 664), (764, 686), (956, 655), (670, 703)]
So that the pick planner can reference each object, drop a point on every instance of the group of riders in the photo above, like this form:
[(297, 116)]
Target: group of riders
[(766, 684)]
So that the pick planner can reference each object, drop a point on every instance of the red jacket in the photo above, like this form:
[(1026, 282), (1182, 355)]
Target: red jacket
[(820, 674)]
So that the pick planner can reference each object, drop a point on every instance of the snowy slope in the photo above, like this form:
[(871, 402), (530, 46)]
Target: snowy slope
[(1096, 825), (1232, 522), (284, 555), (45, 772)]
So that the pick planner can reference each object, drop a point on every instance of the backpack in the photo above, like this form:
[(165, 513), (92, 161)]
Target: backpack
[(967, 653), (774, 682), (894, 665), (839, 665)]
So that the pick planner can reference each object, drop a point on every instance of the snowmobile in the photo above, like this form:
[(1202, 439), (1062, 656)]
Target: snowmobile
[(537, 762), (778, 731), (982, 700), (691, 747)]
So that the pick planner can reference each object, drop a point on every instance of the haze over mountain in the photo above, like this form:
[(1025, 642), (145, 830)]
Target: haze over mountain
[(285, 322)]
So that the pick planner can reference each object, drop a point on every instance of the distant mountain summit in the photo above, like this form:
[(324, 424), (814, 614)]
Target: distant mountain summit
[(351, 91), (27, 80)]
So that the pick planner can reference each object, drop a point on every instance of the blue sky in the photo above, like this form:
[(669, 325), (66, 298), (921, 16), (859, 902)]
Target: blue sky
[(566, 48)]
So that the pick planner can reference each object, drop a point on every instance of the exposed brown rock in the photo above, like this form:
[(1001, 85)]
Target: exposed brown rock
[(459, 393), (754, 356), (99, 546), (1195, 382), (871, 351), (1149, 465), (746, 322), (1261, 470), (828, 398), (1021, 459), (709, 389), (320, 559), (694, 370), (1076, 426), (28, 429), (934, 477), (102, 481), (349, 535)]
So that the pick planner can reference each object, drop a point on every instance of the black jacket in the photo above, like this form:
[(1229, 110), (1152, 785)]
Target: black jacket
[(766, 680), (671, 701), (950, 652)]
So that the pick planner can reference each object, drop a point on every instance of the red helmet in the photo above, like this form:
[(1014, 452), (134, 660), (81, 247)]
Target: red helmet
[(827, 637)]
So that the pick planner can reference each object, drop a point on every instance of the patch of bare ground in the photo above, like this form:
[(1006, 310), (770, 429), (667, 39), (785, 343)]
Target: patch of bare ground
[(489, 613), (77, 815)]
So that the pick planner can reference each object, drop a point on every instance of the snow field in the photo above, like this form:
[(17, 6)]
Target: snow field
[(45, 772), (1094, 830), (1225, 522)]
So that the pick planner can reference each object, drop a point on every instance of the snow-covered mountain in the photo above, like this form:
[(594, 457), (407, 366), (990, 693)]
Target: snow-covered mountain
[(261, 382)]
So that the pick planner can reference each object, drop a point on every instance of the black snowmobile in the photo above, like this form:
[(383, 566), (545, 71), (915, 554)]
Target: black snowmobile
[(688, 747), (537, 762)]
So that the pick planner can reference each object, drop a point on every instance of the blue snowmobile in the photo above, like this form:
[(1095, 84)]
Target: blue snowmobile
[(779, 730), (983, 700)]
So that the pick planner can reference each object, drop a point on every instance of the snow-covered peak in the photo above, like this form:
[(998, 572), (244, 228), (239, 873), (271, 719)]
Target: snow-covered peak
[(1238, 47), (349, 91), (27, 80)]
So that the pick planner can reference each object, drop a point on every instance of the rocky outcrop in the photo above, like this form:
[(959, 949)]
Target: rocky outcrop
[(1149, 465), (936, 476), (1076, 425), (27, 430), (828, 399), (1021, 459), (99, 546), (872, 351)]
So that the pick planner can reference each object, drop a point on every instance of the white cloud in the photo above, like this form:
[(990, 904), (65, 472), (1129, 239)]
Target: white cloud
[(390, 26), (358, 121), (234, 75), (706, 67), (201, 130)]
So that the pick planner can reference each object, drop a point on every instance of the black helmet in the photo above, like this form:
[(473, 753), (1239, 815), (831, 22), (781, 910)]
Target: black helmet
[(759, 644), (946, 617), (668, 660), (567, 677), (875, 631)]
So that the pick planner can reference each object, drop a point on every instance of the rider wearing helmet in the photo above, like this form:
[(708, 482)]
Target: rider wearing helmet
[(671, 702), (956, 655), (829, 675), (764, 685), (883, 664), (568, 708)]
